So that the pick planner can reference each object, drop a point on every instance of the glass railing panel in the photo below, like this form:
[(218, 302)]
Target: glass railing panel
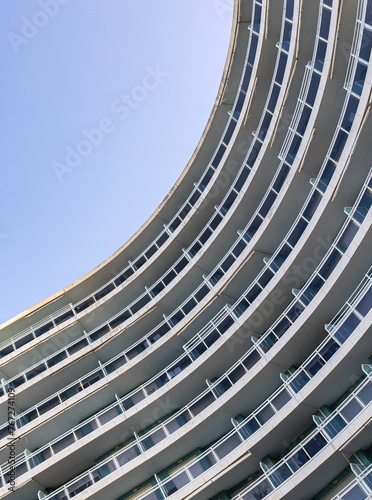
[(347, 236), (313, 89), (281, 68), (359, 78), (273, 98), (347, 328)]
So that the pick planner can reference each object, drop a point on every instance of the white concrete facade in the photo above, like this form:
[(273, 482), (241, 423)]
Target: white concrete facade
[(242, 369)]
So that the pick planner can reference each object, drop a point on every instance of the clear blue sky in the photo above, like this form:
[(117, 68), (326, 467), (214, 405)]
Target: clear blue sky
[(68, 66)]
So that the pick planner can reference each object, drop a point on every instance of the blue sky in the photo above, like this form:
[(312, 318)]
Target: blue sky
[(103, 103)]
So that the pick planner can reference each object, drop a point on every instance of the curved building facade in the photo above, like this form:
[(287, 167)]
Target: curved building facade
[(227, 353)]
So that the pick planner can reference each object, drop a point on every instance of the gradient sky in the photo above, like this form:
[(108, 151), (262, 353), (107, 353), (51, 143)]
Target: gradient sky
[(68, 66)]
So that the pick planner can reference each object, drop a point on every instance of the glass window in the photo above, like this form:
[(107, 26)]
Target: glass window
[(251, 359), (24, 340), (325, 23), (273, 98), (254, 153), (304, 119), (260, 491), (281, 327), (159, 332), (365, 304), (280, 475), (347, 328), (229, 201), (194, 249), (249, 428), (315, 445), (225, 324), (297, 460), (253, 49), (229, 131), (312, 205), (287, 35), (299, 381), (330, 264), (363, 207), (120, 319), (227, 446), (338, 145), (365, 395), (268, 342), (349, 115), (335, 426), (354, 494), (360, 76), (347, 236), (268, 203), (251, 231), (160, 241), (169, 277), (320, 55), (247, 77), (77, 346), (289, 9), (314, 366), (295, 311), (264, 126), (70, 314), (265, 414), (215, 221), (181, 265), (193, 199), (257, 18), (281, 399), (239, 247), (237, 374), (351, 410), (280, 178), (205, 235), (228, 262), (176, 318), (241, 179), (326, 176), (265, 278), (61, 356), (297, 232), (218, 156), (140, 303), (239, 102), (365, 48), (186, 209), (293, 149), (90, 301), (202, 403), (329, 349), (174, 225), (44, 329), (212, 337), (368, 18), (215, 278), (281, 68), (189, 306), (201, 293), (313, 89), (114, 365), (150, 252), (253, 293)]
